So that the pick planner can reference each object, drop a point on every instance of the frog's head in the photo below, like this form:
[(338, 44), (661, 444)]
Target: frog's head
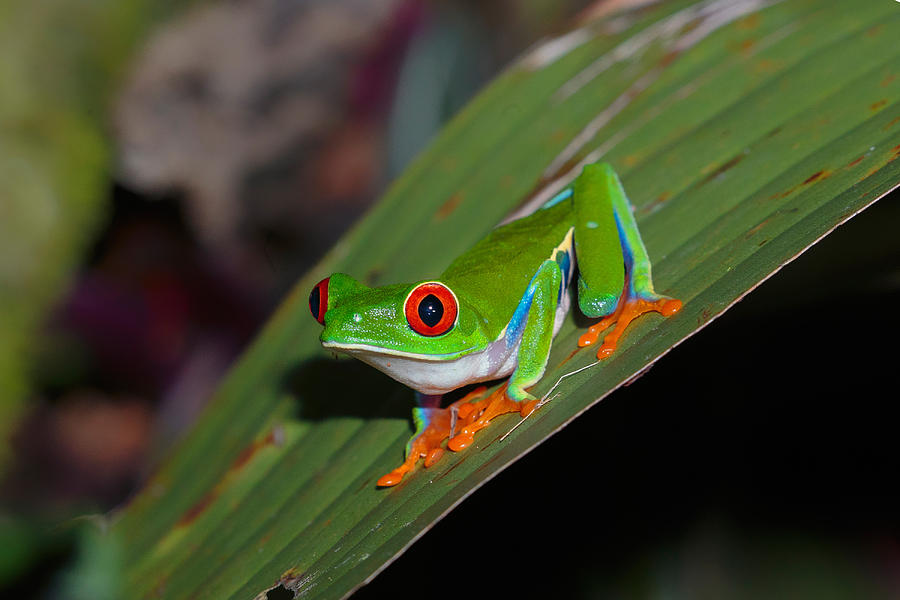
[(424, 321)]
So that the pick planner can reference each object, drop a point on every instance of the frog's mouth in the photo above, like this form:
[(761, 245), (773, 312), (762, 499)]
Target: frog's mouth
[(368, 349), (434, 373)]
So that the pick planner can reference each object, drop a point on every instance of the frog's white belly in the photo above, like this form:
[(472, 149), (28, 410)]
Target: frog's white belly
[(432, 375)]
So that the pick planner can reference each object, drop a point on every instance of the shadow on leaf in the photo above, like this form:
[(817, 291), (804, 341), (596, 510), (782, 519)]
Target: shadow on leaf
[(327, 389)]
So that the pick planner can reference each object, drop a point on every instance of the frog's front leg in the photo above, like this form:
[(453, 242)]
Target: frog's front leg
[(433, 425), (607, 236), (532, 326)]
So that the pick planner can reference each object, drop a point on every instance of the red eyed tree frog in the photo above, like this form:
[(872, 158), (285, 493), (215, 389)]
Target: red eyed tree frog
[(495, 310)]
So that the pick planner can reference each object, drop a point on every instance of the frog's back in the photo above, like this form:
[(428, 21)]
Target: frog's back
[(494, 274)]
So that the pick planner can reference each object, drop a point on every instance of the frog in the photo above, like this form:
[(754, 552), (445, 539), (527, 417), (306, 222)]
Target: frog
[(494, 312)]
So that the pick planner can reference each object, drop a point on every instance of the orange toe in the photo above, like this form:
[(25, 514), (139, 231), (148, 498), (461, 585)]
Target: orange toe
[(628, 309)]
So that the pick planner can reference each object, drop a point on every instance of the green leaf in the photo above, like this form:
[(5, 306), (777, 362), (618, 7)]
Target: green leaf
[(743, 130)]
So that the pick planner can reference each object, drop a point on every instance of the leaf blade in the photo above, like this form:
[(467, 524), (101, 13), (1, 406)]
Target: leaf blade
[(735, 227)]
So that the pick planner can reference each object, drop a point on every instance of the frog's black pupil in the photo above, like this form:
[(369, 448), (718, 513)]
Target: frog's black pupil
[(431, 310), (314, 298)]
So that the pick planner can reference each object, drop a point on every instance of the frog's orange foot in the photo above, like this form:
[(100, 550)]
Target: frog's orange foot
[(479, 415), (628, 309), (426, 443)]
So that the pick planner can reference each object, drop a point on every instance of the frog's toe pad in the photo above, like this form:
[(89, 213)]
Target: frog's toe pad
[(433, 456), (392, 478), (460, 441), (668, 306)]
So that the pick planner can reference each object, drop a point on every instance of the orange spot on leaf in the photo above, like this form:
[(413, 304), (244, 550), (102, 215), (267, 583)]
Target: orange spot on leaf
[(196, 510), (723, 168), (893, 122), (668, 58), (856, 161), (756, 229), (811, 179), (651, 206), (783, 194), (749, 22), (766, 65), (774, 132), (449, 206), (247, 453), (878, 104), (814, 177), (569, 357), (290, 578), (871, 172)]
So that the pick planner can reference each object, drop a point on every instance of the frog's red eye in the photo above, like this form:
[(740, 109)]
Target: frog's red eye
[(318, 300), (431, 309)]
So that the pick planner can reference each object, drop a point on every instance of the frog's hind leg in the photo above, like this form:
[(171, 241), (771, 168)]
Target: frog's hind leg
[(636, 290)]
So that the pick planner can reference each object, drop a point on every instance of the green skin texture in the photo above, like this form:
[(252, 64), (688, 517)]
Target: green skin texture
[(509, 266)]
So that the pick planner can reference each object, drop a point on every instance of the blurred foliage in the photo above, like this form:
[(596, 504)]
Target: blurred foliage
[(19, 545), (59, 63), (97, 572)]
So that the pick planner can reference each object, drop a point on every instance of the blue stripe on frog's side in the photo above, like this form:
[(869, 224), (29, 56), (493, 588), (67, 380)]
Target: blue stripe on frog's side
[(563, 255), (517, 322), (565, 264), (563, 195)]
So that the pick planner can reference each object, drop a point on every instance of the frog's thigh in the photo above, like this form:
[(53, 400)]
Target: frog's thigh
[(637, 261), (545, 293), (598, 249)]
